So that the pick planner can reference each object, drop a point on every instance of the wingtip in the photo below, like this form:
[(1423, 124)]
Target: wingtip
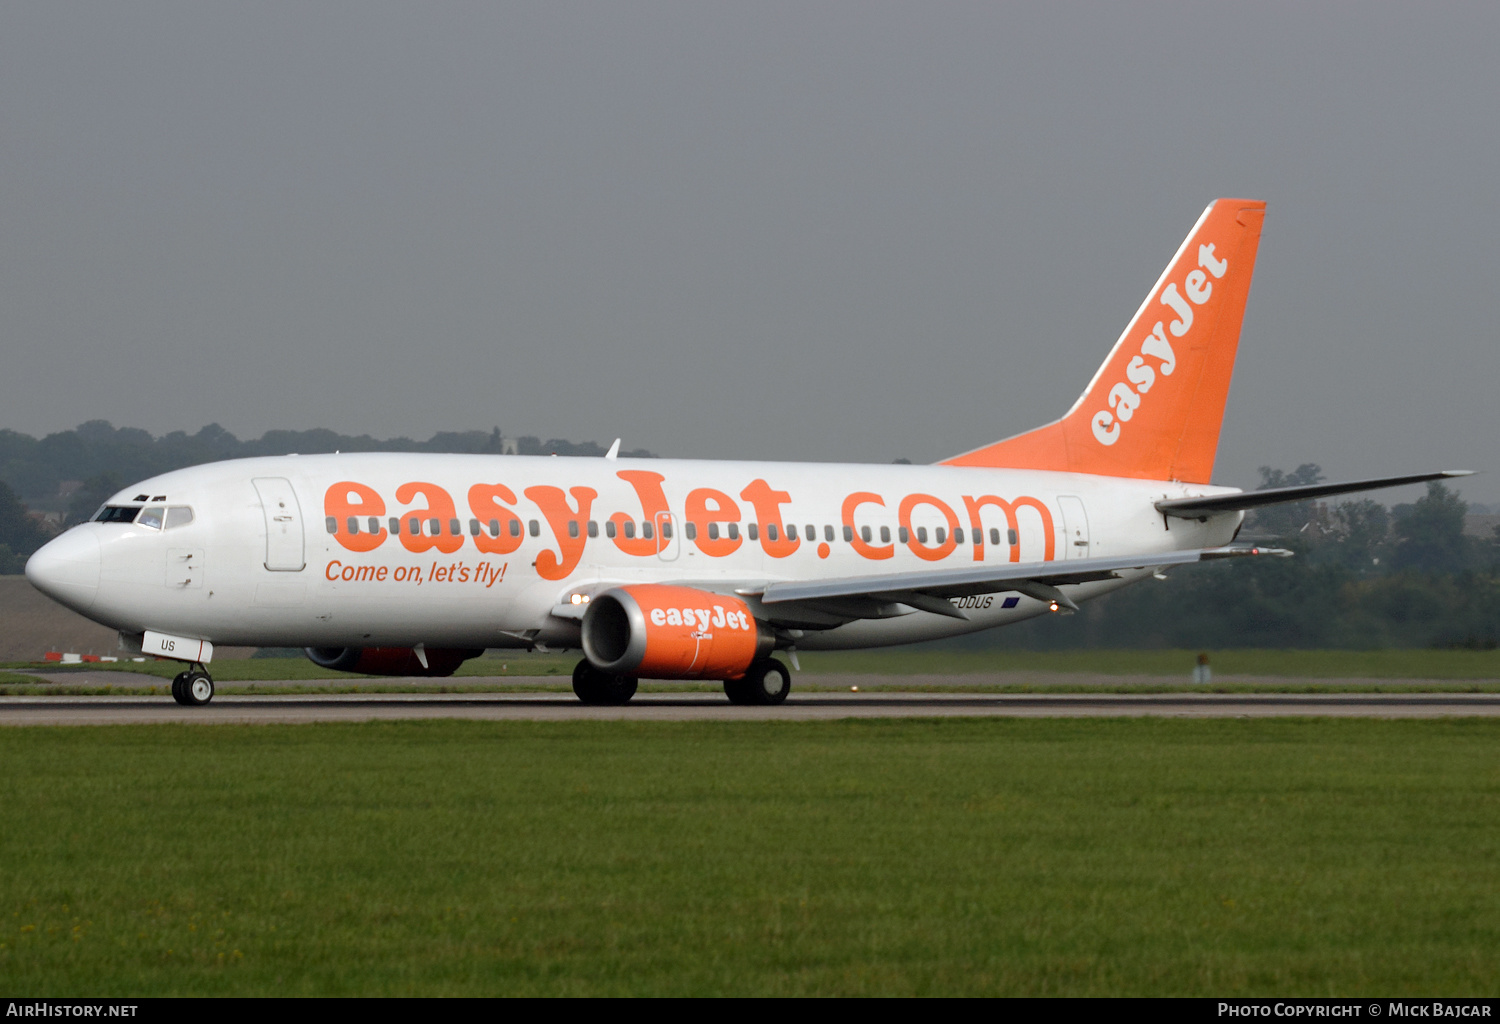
[(1244, 551)]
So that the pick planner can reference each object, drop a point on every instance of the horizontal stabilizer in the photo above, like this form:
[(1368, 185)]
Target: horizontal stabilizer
[(1199, 508)]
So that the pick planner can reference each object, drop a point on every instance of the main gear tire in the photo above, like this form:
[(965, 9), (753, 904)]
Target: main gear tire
[(764, 683), (738, 692), (595, 687)]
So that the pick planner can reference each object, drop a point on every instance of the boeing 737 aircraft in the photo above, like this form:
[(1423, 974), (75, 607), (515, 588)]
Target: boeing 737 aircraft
[(406, 564)]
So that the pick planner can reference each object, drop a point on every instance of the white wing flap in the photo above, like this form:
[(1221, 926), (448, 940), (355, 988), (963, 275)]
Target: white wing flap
[(929, 589)]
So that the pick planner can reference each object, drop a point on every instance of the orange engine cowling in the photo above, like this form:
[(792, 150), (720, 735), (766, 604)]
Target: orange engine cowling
[(390, 661), (664, 632)]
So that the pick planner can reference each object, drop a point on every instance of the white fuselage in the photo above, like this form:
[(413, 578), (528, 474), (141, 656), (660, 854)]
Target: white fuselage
[(268, 558)]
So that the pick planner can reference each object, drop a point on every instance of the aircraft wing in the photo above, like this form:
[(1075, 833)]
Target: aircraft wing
[(854, 597), (1200, 508)]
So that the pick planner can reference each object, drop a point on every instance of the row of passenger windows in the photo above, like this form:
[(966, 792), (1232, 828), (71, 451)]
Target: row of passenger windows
[(435, 527)]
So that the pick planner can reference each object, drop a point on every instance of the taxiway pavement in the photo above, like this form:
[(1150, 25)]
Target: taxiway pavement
[(125, 680)]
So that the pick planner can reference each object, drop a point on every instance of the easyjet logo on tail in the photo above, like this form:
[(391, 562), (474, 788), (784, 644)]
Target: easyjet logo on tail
[(1124, 399)]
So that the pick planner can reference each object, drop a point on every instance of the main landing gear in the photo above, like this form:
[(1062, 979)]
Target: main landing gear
[(195, 687), (765, 682), (595, 687)]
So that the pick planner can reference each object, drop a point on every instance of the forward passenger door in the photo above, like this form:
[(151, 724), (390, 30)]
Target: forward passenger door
[(284, 540)]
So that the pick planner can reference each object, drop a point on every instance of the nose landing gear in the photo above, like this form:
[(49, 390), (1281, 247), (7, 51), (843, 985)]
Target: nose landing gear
[(194, 688)]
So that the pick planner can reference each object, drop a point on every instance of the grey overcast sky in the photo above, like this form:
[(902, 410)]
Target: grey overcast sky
[(831, 231)]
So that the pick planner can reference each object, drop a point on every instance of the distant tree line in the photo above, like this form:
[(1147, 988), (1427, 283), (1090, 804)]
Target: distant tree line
[(20, 534), (99, 458), (1363, 575)]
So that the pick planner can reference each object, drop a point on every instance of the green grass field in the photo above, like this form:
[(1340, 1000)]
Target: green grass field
[(1147, 856)]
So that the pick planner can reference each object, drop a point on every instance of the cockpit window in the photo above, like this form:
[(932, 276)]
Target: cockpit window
[(116, 514), (152, 518)]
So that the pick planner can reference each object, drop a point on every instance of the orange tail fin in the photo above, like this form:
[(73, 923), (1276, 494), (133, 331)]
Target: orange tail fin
[(1154, 409)]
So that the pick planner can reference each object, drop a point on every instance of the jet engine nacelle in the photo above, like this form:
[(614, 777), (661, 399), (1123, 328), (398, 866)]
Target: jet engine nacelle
[(664, 632), (390, 661)]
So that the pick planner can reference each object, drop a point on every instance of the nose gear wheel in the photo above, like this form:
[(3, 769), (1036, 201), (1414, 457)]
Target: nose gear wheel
[(193, 688)]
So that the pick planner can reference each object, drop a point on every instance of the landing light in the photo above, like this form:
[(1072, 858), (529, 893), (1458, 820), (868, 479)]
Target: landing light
[(1053, 606), (579, 599)]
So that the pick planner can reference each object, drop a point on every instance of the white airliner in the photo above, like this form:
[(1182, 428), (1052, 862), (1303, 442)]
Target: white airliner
[(408, 564)]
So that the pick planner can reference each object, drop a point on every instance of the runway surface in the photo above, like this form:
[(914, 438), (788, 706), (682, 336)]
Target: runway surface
[(657, 707), (119, 680)]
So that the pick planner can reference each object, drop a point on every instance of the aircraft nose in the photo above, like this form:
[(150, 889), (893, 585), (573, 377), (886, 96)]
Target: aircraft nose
[(66, 569)]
